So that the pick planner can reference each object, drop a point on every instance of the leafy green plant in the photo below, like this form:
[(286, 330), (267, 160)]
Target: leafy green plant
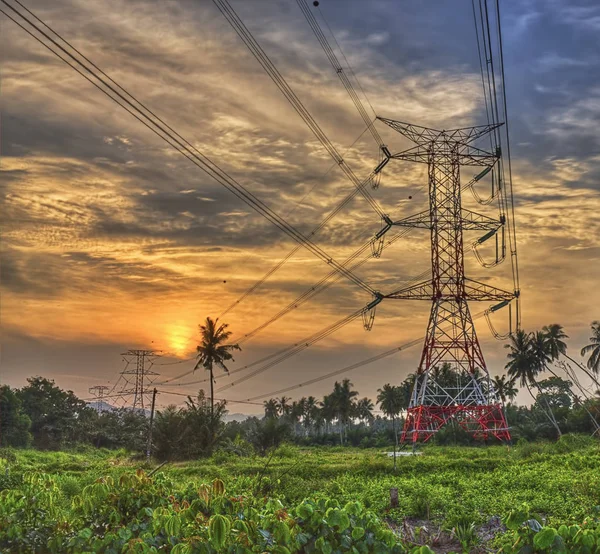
[(529, 535), (465, 532)]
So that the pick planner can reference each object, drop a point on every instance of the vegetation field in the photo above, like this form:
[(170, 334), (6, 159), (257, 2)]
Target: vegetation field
[(534, 497)]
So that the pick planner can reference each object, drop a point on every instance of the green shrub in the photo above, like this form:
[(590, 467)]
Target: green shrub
[(287, 450), (572, 443), (70, 486)]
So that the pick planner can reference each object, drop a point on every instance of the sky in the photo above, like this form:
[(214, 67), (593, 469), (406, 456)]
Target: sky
[(113, 241)]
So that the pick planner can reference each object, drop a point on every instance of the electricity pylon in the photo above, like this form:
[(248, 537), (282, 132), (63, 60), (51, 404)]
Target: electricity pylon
[(139, 377), (451, 340), (98, 392)]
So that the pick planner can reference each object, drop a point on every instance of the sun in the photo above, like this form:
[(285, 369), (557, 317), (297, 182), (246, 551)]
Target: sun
[(180, 340)]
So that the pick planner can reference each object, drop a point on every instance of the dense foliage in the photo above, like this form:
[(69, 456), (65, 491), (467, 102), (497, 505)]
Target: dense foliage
[(309, 500), (45, 416)]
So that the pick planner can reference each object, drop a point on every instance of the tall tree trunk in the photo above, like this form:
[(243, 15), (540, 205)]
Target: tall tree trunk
[(585, 369), (212, 396), (595, 423), (549, 414), (395, 439)]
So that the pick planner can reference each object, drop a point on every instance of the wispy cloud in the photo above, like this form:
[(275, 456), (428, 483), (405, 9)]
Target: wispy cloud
[(112, 238)]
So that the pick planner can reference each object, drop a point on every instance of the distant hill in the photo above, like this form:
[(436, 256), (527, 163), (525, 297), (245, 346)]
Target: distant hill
[(106, 407), (101, 406), (236, 417)]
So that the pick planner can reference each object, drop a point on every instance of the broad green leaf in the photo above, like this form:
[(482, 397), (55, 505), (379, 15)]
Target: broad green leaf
[(544, 538), (358, 533)]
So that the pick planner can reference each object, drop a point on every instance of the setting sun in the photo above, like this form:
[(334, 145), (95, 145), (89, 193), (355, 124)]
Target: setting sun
[(180, 340)]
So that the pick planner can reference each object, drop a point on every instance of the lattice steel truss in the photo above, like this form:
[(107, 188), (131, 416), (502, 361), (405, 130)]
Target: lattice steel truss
[(139, 378), (99, 392), (451, 340)]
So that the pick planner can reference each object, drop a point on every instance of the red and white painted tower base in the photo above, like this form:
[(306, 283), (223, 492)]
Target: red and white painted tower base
[(451, 340)]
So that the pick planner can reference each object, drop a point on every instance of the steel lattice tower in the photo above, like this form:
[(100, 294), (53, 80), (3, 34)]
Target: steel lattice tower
[(451, 338), (99, 391), (138, 378)]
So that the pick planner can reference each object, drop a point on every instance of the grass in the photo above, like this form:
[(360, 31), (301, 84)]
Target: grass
[(558, 481)]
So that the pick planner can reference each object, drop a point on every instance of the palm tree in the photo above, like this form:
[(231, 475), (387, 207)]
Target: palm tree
[(520, 365), (295, 414), (364, 410), (555, 336), (310, 413), (406, 388), (271, 409), (505, 389), (328, 410), (284, 407), (343, 398), (392, 401), (540, 350), (212, 351), (528, 357), (593, 362)]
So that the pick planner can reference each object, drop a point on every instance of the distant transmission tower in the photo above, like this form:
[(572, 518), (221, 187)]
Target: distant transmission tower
[(451, 339), (98, 392), (138, 377)]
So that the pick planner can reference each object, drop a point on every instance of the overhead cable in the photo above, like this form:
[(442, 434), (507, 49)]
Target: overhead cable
[(316, 230), (351, 367), (138, 110), (337, 66), (263, 59)]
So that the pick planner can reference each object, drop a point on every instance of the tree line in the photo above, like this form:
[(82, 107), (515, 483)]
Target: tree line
[(44, 416)]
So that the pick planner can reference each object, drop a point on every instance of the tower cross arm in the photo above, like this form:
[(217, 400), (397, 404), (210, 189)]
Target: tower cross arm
[(419, 154), (467, 154), (422, 135), (470, 134), (474, 290), (420, 291), (421, 220), (472, 221)]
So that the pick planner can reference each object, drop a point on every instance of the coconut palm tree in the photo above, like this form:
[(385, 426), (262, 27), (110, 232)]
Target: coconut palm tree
[(505, 389), (407, 387), (213, 351), (593, 348), (345, 405), (295, 414), (310, 414), (555, 336), (364, 410), (328, 409), (540, 350), (284, 406), (557, 346), (271, 409), (392, 400), (528, 357)]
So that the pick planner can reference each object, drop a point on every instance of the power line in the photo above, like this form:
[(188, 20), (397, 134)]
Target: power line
[(287, 350), (174, 139), (138, 379), (281, 355), (510, 182), (349, 368), (263, 59), (320, 286), (321, 225), (227, 401), (505, 186), (337, 66)]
